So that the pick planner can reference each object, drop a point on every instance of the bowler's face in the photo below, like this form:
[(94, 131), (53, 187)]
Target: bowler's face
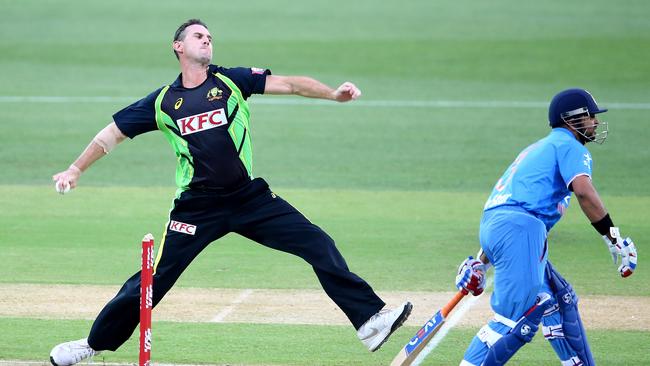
[(197, 44)]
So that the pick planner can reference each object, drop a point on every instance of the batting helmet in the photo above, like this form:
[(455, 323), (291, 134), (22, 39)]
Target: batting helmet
[(569, 104)]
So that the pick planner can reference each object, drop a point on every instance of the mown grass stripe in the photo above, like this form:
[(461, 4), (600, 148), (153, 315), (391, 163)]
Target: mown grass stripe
[(285, 101)]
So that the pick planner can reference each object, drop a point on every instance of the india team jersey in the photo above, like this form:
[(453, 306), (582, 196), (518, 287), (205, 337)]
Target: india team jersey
[(207, 126), (539, 178)]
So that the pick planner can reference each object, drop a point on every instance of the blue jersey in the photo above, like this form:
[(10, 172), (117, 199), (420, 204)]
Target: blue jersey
[(540, 178)]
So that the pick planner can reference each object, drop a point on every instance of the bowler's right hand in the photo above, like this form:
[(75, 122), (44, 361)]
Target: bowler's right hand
[(67, 179)]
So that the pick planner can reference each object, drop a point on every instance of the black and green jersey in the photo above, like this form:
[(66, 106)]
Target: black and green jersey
[(207, 126)]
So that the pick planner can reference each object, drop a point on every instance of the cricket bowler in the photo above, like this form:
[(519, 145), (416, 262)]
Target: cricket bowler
[(205, 117)]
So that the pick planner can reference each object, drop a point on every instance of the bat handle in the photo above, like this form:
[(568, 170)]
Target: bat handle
[(452, 303)]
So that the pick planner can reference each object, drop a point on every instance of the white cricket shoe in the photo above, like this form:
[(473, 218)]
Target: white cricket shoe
[(69, 353), (376, 330)]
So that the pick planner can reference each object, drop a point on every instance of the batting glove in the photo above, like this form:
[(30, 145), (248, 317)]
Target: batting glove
[(471, 276), (623, 248)]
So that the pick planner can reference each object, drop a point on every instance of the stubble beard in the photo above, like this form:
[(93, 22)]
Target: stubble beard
[(202, 58), (205, 60)]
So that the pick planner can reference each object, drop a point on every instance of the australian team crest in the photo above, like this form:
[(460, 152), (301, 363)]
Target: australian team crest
[(214, 94)]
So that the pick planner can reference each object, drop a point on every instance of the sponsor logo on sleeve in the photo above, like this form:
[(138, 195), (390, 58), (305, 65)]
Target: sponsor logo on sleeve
[(202, 122), (257, 70), (182, 227)]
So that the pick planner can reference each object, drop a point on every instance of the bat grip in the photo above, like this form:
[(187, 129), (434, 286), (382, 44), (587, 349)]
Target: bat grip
[(452, 304)]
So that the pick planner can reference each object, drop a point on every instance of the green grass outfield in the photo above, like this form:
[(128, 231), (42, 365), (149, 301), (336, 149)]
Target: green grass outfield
[(229, 344), (399, 187)]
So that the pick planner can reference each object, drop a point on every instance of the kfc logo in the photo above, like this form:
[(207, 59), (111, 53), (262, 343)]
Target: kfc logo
[(202, 122), (182, 227)]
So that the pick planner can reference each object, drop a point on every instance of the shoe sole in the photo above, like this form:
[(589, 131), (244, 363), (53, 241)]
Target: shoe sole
[(398, 323), (52, 361)]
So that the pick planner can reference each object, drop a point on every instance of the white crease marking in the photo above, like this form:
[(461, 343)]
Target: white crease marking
[(230, 308)]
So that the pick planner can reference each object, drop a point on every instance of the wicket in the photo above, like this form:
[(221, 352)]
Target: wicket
[(146, 300)]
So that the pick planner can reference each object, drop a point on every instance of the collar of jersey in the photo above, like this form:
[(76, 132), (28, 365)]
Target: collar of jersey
[(178, 83), (564, 130)]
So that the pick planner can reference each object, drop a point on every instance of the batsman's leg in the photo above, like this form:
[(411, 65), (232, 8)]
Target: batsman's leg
[(522, 332), (515, 244), (497, 342), (554, 334), (563, 326)]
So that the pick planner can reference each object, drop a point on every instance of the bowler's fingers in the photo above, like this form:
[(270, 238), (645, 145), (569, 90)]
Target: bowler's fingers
[(64, 182), (62, 186), (348, 91), (352, 90)]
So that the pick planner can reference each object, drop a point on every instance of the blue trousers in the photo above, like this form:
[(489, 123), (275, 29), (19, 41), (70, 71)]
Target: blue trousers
[(515, 243)]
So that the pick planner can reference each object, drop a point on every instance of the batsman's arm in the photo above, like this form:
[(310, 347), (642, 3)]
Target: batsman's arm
[(594, 209), (309, 87), (100, 145), (590, 201)]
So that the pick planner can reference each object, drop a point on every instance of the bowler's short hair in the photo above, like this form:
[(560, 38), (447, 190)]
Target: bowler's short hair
[(180, 32)]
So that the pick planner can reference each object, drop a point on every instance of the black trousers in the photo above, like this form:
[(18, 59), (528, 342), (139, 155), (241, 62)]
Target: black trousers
[(254, 212)]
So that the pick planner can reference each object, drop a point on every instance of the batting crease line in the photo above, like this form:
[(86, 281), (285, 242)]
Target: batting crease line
[(230, 308), (358, 103), (453, 320)]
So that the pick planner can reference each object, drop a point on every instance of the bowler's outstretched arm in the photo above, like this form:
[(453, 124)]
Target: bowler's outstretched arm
[(100, 145), (311, 88)]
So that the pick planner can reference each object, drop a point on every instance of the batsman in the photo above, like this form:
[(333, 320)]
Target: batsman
[(528, 200)]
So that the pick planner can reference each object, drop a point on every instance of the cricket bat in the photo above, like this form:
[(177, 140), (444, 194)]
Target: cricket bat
[(412, 349), (407, 355)]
